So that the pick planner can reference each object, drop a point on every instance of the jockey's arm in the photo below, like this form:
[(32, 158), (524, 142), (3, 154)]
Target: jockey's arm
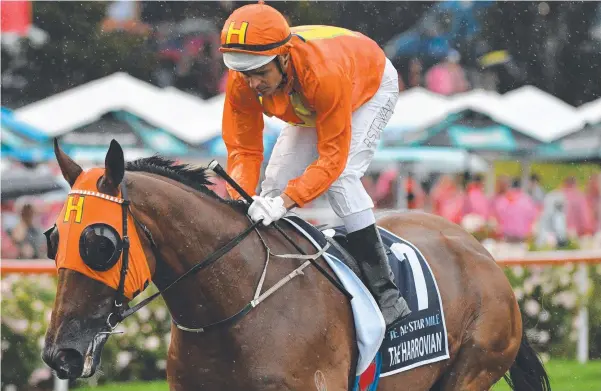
[(243, 135), (331, 96)]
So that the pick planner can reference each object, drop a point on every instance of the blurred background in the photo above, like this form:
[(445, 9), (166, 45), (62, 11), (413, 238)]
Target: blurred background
[(497, 128)]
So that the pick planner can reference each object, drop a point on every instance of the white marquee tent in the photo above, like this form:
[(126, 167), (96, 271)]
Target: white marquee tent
[(591, 112), (194, 120)]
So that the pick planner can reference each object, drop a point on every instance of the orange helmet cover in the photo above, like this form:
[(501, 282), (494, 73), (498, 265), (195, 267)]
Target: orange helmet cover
[(256, 29)]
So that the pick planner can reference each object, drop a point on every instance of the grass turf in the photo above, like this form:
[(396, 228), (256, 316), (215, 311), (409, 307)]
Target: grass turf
[(569, 376)]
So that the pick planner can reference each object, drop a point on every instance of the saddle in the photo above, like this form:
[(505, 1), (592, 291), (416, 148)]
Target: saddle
[(418, 339), (335, 237)]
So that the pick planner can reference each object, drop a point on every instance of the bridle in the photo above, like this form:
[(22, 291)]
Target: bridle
[(119, 313)]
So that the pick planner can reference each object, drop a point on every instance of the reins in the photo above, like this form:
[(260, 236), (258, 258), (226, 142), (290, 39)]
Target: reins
[(119, 313), (216, 167)]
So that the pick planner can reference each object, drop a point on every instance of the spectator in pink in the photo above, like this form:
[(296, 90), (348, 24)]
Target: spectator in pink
[(515, 213), (8, 250), (447, 78), (501, 187), (476, 201), (447, 199), (593, 198), (578, 214), (441, 189)]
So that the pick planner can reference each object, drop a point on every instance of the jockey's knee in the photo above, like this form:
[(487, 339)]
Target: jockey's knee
[(347, 196)]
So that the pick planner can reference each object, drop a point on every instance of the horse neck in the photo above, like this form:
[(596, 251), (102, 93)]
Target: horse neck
[(192, 225)]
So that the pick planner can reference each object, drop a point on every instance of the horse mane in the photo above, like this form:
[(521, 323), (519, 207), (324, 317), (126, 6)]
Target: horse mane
[(195, 177)]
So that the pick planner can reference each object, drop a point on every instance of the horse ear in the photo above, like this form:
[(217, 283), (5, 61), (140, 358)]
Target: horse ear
[(69, 168), (114, 165)]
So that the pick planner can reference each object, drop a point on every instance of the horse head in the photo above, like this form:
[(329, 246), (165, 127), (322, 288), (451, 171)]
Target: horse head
[(87, 244), (127, 224)]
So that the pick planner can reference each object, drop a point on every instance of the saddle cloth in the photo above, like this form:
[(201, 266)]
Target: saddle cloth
[(416, 340)]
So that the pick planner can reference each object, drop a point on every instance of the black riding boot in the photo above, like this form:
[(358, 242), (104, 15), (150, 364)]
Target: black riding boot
[(367, 248)]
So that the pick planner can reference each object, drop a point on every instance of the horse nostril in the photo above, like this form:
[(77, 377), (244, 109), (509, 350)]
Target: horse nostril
[(68, 363)]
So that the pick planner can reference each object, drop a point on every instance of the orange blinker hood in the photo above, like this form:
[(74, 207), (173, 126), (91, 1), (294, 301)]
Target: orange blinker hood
[(86, 206)]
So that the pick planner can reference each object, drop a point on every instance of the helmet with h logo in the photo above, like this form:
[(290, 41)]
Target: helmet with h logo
[(252, 36)]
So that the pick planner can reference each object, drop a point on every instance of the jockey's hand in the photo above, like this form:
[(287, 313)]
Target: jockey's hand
[(267, 209)]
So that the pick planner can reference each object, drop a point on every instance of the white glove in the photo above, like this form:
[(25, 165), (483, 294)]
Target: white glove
[(267, 208)]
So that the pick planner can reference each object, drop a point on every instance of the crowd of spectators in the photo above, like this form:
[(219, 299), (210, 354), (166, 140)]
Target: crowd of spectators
[(512, 213)]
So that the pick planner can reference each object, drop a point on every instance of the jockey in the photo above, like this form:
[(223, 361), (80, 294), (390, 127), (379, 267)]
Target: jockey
[(337, 90)]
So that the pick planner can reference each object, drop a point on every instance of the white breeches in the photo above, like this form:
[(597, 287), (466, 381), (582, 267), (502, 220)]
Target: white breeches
[(296, 148)]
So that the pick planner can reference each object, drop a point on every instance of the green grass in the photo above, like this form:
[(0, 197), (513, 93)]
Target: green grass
[(569, 376), (551, 174), (564, 375), (129, 386)]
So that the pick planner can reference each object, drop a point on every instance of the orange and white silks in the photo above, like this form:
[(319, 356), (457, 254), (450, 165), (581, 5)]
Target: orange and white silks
[(82, 210), (332, 72)]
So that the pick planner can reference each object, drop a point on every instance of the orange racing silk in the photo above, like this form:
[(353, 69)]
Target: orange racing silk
[(334, 71), (82, 210)]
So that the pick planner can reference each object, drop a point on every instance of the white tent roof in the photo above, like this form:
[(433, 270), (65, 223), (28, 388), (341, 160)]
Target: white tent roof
[(485, 102), (527, 109), (187, 111), (81, 105), (591, 112), (418, 108), (180, 113), (212, 116), (184, 115), (194, 120), (541, 115)]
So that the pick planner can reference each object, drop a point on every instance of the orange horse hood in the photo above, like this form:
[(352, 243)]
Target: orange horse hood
[(86, 206)]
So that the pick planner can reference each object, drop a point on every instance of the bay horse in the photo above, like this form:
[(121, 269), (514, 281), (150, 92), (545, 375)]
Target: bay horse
[(303, 330)]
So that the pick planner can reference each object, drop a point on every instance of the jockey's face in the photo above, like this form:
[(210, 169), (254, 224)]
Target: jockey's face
[(266, 79)]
